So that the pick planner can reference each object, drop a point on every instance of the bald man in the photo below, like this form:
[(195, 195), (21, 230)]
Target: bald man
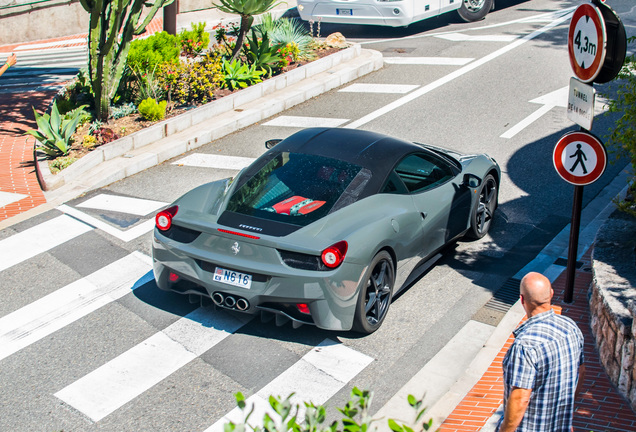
[(542, 367)]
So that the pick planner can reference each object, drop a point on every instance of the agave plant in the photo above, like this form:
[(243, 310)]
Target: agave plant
[(261, 54), (55, 131), (283, 31), (240, 75)]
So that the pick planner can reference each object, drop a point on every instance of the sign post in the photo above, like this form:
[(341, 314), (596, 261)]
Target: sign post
[(597, 46)]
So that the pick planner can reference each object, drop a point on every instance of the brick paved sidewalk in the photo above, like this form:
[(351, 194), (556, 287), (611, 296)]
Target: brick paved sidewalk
[(599, 408)]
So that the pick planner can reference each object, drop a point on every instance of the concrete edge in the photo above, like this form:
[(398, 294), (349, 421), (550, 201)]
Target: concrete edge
[(344, 66), (180, 123)]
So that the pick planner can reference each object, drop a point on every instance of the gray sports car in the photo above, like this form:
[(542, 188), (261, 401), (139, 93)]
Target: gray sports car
[(324, 228)]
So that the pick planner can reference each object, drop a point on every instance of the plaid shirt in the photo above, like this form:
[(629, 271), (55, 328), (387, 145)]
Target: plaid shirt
[(545, 357)]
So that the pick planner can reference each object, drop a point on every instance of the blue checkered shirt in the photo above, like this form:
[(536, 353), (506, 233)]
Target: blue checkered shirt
[(545, 357)]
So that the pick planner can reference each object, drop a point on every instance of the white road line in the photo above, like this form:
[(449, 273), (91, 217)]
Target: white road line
[(7, 198), (136, 206), (50, 44), (119, 381), (204, 160), (304, 122), (126, 236), (556, 98), (33, 241), (379, 88), (434, 61), (460, 37), (316, 377), (450, 77), (39, 319)]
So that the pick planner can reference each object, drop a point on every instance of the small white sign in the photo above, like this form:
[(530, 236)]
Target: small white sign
[(581, 103)]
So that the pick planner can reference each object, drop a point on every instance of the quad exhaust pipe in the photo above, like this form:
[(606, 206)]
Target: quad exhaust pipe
[(230, 302)]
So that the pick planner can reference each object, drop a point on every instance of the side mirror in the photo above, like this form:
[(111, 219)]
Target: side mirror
[(271, 143), (471, 181)]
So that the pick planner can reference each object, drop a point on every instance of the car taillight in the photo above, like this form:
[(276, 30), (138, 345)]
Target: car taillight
[(163, 220), (334, 255), (303, 308)]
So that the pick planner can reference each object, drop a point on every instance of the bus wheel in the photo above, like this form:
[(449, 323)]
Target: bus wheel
[(475, 10)]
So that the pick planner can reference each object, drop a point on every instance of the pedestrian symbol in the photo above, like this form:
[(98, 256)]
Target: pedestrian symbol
[(579, 158)]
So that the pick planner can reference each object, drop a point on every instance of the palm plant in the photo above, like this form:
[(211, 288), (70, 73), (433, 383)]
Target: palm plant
[(246, 9), (283, 31)]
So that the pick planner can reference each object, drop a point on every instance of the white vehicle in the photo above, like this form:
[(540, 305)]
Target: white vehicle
[(394, 13)]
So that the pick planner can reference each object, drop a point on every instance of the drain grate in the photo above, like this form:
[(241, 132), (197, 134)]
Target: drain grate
[(506, 296)]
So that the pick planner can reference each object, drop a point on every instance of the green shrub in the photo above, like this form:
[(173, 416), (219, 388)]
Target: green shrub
[(149, 109), (194, 41), (622, 137), (286, 417), (186, 83), (76, 93), (146, 54), (60, 163), (55, 132), (240, 75)]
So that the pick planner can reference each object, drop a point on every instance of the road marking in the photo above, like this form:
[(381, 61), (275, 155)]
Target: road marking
[(42, 237), (460, 37), (51, 44), (379, 88), (556, 98), (214, 161), (7, 198), (304, 122), (453, 75), (39, 319), (316, 377), (122, 204), (126, 236), (435, 61), (119, 381)]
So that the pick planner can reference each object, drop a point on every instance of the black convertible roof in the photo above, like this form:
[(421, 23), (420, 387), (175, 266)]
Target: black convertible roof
[(371, 150)]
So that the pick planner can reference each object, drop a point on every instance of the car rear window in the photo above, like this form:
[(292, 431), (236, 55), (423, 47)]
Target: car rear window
[(299, 188)]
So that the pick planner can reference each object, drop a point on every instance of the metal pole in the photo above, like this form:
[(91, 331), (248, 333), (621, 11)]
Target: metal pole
[(574, 243), (170, 17)]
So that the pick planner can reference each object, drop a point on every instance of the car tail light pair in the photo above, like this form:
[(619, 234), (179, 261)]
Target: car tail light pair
[(334, 255), (163, 220)]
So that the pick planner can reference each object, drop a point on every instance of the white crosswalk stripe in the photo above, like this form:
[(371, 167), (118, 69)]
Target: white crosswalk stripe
[(122, 204), (41, 318), (33, 241), (204, 160), (379, 88), (460, 37), (304, 122), (432, 61), (319, 375), (122, 379)]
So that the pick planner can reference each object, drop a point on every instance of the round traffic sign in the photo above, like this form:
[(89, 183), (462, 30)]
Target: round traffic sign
[(579, 158), (587, 40)]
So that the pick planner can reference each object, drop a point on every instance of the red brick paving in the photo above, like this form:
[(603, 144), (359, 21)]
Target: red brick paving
[(17, 171), (599, 408)]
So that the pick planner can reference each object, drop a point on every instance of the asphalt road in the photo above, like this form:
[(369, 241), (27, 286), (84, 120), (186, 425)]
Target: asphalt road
[(93, 366)]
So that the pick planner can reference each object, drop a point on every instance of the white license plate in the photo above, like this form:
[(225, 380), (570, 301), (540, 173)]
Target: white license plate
[(235, 278), (344, 11)]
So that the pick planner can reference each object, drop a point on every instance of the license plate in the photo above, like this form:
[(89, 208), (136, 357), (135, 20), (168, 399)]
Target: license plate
[(231, 277), (344, 11)]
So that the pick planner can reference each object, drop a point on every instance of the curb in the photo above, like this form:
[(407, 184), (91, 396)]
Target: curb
[(202, 125)]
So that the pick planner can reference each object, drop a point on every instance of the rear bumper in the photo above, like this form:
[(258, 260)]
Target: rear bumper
[(330, 295), (394, 14)]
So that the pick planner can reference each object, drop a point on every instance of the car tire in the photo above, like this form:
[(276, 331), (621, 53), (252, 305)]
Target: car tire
[(375, 295), (484, 211), (475, 10)]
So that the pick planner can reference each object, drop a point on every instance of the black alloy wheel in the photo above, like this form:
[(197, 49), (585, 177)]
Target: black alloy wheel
[(475, 10), (483, 213), (376, 295)]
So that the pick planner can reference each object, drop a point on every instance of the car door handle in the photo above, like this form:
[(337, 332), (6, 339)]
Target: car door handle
[(424, 214)]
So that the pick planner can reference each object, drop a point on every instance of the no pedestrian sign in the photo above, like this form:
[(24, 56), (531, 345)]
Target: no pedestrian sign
[(587, 42), (579, 158)]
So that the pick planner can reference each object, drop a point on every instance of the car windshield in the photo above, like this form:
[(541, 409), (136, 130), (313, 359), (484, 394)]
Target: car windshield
[(299, 188)]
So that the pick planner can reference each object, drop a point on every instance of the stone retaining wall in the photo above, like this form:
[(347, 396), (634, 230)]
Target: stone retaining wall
[(613, 302)]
